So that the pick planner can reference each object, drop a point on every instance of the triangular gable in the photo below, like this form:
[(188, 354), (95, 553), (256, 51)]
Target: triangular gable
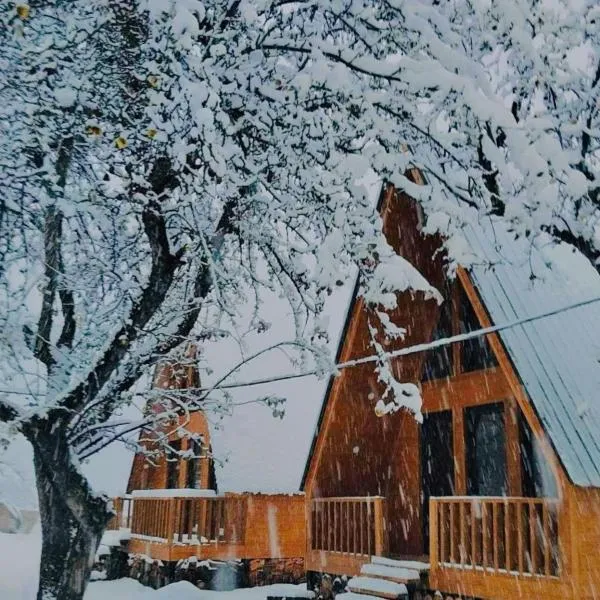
[(555, 360)]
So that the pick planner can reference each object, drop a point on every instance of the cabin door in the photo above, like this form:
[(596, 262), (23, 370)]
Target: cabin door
[(437, 462)]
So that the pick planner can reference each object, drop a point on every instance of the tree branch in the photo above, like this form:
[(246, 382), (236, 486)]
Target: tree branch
[(202, 286), (159, 282), (54, 267)]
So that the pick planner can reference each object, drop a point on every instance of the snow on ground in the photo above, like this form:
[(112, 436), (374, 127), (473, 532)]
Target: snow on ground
[(124, 589), (19, 564)]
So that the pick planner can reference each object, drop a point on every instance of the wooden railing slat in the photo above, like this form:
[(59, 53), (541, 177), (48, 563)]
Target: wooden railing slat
[(354, 528), (463, 534), (495, 540), (484, 536), (532, 537), (434, 534), (348, 527), (546, 525), (473, 535), (520, 537), (443, 527)]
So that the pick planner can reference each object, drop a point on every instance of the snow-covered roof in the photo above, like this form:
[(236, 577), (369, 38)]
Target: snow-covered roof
[(558, 357)]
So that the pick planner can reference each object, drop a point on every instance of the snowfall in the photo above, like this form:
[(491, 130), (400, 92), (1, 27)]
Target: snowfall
[(19, 562)]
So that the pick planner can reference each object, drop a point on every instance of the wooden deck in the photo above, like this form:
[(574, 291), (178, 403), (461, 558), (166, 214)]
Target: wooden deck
[(493, 548), (232, 526)]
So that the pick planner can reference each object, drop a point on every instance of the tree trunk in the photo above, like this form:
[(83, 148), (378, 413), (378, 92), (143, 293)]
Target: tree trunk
[(72, 517)]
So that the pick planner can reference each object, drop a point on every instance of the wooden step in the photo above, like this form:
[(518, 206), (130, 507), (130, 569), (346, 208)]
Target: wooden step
[(353, 596), (415, 565), (395, 574), (380, 588)]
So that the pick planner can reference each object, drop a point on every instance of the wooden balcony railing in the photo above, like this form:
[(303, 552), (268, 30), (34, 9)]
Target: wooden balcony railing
[(513, 535), (352, 526), (190, 520), (123, 507)]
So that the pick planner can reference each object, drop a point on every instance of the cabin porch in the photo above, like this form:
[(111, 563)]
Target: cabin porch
[(173, 526), (489, 547)]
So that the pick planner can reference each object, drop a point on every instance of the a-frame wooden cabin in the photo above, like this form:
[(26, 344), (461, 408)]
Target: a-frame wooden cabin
[(497, 492), (176, 523)]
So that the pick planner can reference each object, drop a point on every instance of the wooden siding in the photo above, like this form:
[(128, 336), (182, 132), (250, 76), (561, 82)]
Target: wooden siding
[(585, 539), (152, 475)]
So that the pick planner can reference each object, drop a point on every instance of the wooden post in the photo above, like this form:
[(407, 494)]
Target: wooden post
[(452, 533), (119, 504), (532, 536), (335, 525), (362, 527), (513, 452), (474, 536), (484, 537), (135, 511), (433, 534), (460, 460), (354, 532), (443, 553), (507, 537), (520, 506), (330, 547), (546, 526), (348, 526), (310, 519), (172, 507), (379, 527), (495, 536), (462, 549)]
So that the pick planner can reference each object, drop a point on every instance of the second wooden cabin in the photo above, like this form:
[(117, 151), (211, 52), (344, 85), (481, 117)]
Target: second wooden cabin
[(180, 527)]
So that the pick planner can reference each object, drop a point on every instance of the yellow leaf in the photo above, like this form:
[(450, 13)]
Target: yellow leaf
[(153, 80), (121, 143), (151, 133), (93, 130), (23, 11)]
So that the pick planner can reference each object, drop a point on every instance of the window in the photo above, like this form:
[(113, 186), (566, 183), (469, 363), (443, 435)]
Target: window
[(437, 462), (173, 465), (485, 438), (475, 354), (537, 480), (457, 316), (438, 362), (193, 465)]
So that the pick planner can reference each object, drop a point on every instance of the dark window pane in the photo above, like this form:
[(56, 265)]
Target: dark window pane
[(476, 353), (193, 466), (437, 461), (486, 450), (173, 465), (438, 362)]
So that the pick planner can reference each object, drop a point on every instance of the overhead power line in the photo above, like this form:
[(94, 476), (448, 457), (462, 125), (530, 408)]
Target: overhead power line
[(411, 349), (394, 353)]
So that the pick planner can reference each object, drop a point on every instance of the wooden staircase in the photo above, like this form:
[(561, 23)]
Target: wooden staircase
[(386, 578)]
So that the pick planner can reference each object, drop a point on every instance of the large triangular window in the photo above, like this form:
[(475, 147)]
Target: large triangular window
[(456, 317)]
